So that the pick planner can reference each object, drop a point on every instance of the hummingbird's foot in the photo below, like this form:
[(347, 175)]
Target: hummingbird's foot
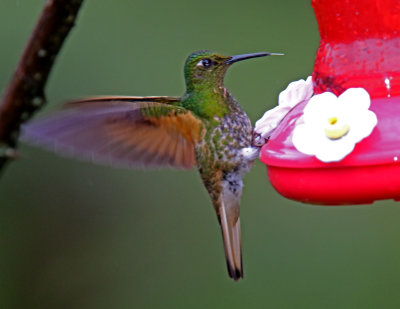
[(258, 140)]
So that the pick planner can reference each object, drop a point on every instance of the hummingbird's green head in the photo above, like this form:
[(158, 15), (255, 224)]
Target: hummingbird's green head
[(204, 75), (206, 68)]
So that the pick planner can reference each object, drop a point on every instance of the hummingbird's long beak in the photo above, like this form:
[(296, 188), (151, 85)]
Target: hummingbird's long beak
[(237, 58)]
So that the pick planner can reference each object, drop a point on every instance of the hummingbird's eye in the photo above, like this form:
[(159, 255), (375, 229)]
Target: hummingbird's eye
[(206, 63)]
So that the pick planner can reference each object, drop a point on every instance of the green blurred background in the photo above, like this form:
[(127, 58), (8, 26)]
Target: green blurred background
[(77, 235)]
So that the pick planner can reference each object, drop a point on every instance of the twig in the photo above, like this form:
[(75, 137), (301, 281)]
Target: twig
[(25, 92)]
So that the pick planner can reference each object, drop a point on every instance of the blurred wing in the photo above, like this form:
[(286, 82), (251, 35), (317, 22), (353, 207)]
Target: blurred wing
[(121, 131)]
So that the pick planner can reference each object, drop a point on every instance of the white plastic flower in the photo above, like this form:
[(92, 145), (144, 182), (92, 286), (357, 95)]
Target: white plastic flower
[(295, 93), (331, 126)]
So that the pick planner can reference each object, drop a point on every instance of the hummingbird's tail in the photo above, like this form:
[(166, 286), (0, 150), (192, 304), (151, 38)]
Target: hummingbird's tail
[(230, 225)]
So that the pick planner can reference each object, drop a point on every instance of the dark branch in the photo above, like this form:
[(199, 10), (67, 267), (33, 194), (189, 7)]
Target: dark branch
[(25, 92)]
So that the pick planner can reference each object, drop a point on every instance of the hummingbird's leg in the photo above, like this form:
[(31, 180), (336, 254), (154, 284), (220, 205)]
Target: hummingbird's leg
[(258, 140)]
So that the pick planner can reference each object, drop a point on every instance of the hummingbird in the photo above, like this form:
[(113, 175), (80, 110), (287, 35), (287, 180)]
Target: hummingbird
[(205, 129)]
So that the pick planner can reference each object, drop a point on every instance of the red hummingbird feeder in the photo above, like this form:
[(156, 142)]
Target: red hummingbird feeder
[(359, 48)]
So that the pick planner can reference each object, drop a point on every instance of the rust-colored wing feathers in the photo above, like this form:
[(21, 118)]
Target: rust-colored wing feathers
[(148, 132)]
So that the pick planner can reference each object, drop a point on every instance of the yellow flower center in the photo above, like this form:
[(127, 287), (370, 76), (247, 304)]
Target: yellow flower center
[(332, 120), (335, 129)]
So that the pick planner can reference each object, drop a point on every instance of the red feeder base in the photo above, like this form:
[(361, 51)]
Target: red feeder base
[(337, 186), (371, 172)]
